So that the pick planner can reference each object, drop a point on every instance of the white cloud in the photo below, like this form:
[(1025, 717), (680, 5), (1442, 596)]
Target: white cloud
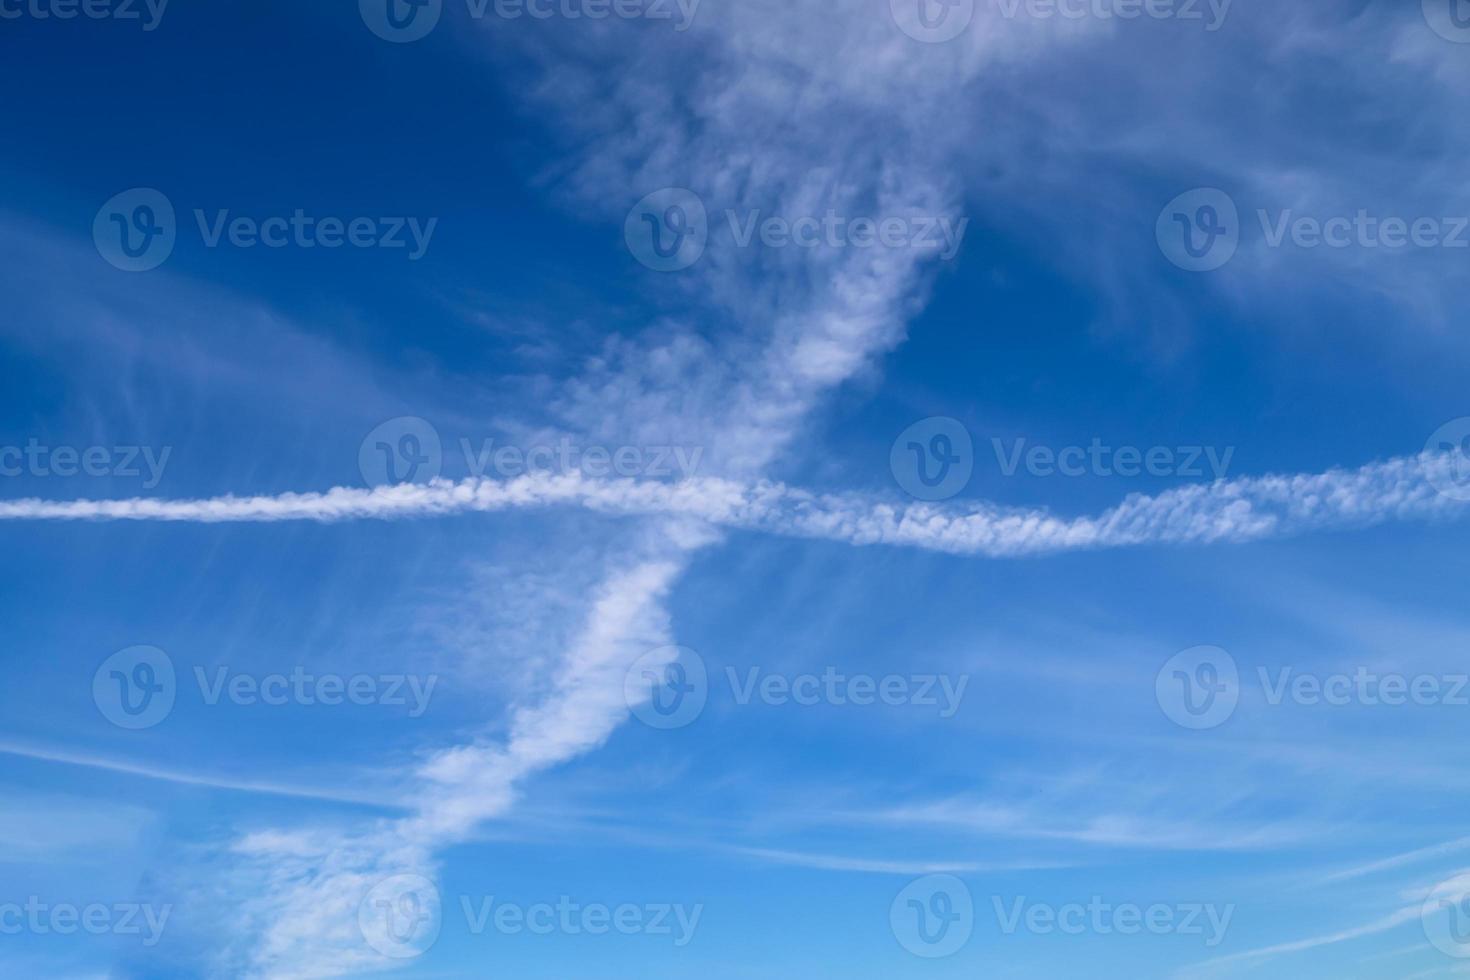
[(1243, 509)]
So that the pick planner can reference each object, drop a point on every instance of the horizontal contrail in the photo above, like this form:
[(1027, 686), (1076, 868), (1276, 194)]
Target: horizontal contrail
[(383, 801), (1227, 510)]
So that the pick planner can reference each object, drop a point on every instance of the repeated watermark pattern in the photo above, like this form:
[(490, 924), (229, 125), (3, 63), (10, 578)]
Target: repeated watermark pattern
[(1450, 19), (137, 230), (1100, 459), (937, 21), (147, 14), (568, 917), (1452, 440), (668, 687), (137, 688), (934, 459), (405, 21), (1098, 917), (932, 21), (403, 916), (408, 449), (1445, 916), (37, 917), (1210, 14), (669, 230), (935, 916), (1201, 230), (37, 459), (1200, 688)]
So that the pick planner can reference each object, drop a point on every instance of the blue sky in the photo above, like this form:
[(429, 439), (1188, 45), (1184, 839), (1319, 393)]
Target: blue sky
[(661, 489)]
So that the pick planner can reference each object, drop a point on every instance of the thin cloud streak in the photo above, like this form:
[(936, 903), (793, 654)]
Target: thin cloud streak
[(1244, 509), (196, 779), (1398, 860), (837, 862)]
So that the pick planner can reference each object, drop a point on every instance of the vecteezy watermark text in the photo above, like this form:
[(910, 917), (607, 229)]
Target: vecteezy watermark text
[(1201, 230), (137, 230), (148, 13), (402, 917), (1200, 688), (934, 458), (1103, 918), (137, 688), (1211, 13), (301, 230), (303, 688), (36, 459), (668, 687), (1098, 459), (408, 449), (571, 918), (934, 916), (937, 21), (404, 21), (669, 230), (831, 686), (40, 918)]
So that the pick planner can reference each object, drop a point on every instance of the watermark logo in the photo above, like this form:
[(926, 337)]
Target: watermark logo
[(135, 688), (1446, 916), (667, 687), (933, 916), (401, 21), (932, 21), (933, 459), (135, 231), (401, 450), (1199, 230), (1450, 19), (1198, 688), (667, 230), (401, 916), (1450, 472)]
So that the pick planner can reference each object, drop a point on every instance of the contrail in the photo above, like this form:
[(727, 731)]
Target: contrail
[(1246, 508)]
